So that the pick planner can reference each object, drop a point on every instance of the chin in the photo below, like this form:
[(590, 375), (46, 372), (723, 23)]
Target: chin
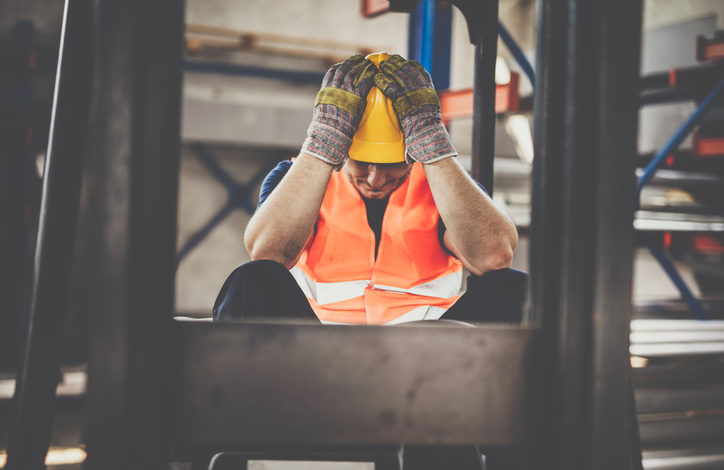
[(381, 195)]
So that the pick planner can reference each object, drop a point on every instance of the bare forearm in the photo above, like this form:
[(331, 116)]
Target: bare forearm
[(480, 233), (282, 225)]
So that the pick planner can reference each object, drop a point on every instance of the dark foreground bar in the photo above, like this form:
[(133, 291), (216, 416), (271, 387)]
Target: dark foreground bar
[(240, 384)]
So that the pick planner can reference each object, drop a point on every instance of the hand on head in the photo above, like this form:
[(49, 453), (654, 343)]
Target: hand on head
[(415, 100), (338, 109), (342, 99)]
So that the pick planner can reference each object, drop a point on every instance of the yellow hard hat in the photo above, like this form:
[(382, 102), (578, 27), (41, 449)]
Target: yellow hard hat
[(378, 138)]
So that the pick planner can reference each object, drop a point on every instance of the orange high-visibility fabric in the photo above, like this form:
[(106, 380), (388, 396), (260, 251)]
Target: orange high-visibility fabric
[(409, 256)]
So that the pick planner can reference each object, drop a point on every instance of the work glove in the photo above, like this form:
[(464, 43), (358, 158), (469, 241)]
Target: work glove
[(338, 109), (415, 100)]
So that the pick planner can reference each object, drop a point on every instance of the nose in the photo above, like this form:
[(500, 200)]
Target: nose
[(375, 177)]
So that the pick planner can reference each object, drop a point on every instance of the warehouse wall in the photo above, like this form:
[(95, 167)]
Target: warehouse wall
[(338, 20), (658, 13)]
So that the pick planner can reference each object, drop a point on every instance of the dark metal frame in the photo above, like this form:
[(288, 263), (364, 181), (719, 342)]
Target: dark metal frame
[(486, 53), (130, 230), (582, 231), (586, 110), (38, 374), (409, 400)]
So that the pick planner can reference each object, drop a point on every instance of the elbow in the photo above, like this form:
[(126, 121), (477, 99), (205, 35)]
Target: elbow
[(262, 251), (501, 259), (285, 261), (494, 260)]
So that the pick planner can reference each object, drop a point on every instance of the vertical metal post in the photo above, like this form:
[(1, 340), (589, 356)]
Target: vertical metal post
[(129, 230), (546, 248), (38, 377), (620, 43), (486, 51), (582, 235), (19, 195), (430, 39), (547, 193), (442, 45)]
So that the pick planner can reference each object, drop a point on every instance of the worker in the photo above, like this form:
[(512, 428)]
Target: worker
[(376, 221)]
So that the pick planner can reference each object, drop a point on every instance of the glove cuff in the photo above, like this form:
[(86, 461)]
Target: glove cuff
[(329, 136), (424, 98), (428, 140), (343, 99)]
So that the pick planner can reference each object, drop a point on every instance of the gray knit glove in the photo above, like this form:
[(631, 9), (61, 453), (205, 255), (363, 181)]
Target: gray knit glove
[(413, 96), (338, 109)]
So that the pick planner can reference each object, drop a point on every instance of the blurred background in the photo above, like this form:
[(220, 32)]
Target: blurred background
[(252, 70), (251, 75)]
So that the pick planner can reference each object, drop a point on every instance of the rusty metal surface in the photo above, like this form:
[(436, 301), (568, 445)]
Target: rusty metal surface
[(243, 383)]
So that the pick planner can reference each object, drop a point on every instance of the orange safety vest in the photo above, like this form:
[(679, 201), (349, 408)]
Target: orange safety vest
[(412, 278)]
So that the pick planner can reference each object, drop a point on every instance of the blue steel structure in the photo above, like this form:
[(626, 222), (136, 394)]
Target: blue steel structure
[(239, 196), (668, 266), (684, 130), (517, 53), (679, 136), (429, 42)]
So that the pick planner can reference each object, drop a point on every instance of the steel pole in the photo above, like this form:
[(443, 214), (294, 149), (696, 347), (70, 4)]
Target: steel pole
[(486, 51), (620, 50), (129, 231), (546, 248), (582, 235), (38, 376)]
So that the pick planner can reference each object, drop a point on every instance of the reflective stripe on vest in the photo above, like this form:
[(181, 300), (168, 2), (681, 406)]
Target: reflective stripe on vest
[(412, 278)]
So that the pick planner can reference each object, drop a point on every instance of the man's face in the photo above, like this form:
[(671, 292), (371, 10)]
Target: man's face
[(376, 180)]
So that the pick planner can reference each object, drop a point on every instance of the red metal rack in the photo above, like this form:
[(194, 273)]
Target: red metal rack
[(459, 103), (710, 49)]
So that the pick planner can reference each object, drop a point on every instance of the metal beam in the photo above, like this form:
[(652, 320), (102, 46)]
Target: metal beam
[(221, 68), (239, 383), (129, 230), (670, 269), (682, 430), (546, 249), (430, 38), (518, 54), (38, 376), (486, 52), (680, 135), (582, 235), (619, 43)]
